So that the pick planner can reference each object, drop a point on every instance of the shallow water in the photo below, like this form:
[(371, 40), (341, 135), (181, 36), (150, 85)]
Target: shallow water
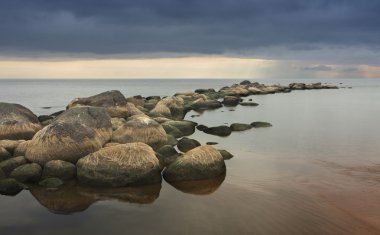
[(316, 171)]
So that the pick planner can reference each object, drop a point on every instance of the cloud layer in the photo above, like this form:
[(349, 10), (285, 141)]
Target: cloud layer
[(272, 29)]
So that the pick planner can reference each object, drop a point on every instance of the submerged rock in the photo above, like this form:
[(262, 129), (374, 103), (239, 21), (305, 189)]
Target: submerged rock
[(141, 129), (59, 169), (218, 130), (240, 127), (9, 165), (10, 187), (28, 173), (74, 134), (248, 104), (185, 127), (231, 100), (199, 187), (201, 127), (203, 162), (51, 183), (260, 124), (119, 166), (185, 144), (17, 122)]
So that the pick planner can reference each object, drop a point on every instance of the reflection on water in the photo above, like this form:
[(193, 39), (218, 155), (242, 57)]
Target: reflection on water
[(72, 197), (200, 187)]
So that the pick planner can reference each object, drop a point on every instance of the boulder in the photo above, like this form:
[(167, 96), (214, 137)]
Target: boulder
[(59, 169), (114, 102), (17, 122), (206, 105), (10, 187), (225, 154), (9, 165), (29, 173), (185, 144), (167, 154), (240, 127), (141, 129), (73, 134), (117, 122), (20, 150), (218, 130), (186, 127), (260, 124), (245, 82), (172, 130), (201, 127), (4, 154), (203, 162), (119, 166), (171, 140), (231, 100), (172, 107)]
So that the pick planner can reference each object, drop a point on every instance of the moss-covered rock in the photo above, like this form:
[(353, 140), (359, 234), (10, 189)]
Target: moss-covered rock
[(10, 187), (59, 169), (28, 173), (9, 165), (240, 127)]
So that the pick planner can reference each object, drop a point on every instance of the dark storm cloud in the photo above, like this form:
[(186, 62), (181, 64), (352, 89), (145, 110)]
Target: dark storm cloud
[(107, 27)]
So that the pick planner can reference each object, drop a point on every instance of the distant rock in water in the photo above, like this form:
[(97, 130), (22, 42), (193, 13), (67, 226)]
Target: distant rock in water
[(172, 107), (240, 127), (17, 122), (260, 124), (73, 134), (119, 166), (218, 130), (115, 103), (203, 162)]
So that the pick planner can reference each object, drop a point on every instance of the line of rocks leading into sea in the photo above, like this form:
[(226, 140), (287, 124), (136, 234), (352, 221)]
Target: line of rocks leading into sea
[(108, 140)]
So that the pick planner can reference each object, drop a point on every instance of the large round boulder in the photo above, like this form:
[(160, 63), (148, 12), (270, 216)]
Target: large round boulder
[(73, 135), (120, 165), (17, 122), (115, 103), (141, 129), (172, 107), (203, 162)]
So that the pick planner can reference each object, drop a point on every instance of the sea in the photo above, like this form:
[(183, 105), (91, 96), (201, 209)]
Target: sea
[(315, 171)]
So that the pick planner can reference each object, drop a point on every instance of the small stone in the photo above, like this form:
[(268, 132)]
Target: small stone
[(27, 173), (185, 144), (248, 104), (9, 165), (212, 143), (260, 124), (59, 169), (225, 154), (201, 127)]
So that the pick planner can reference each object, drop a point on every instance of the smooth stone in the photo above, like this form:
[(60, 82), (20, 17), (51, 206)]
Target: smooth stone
[(167, 151), (248, 104), (203, 162), (206, 105), (119, 166), (172, 130), (171, 140), (4, 154), (185, 144), (59, 169), (225, 154), (9, 165), (212, 143), (51, 183), (218, 130), (260, 124), (27, 173), (231, 100), (186, 127), (201, 127), (240, 127), (10, 187)]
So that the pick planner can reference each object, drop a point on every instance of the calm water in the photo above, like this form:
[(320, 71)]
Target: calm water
[(316, 171)]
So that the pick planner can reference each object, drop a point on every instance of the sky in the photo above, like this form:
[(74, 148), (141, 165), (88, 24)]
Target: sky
[(189, 39)]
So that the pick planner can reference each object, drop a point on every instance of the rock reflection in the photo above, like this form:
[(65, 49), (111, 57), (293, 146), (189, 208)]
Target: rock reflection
[(72, 197), (199, 187)]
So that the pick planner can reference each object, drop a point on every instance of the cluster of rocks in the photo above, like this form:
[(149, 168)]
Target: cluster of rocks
[(108, 140)]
